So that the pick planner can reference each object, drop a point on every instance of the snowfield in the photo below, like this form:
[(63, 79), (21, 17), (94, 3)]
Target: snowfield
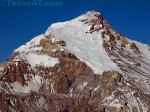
[(87, 47), (43, 60)]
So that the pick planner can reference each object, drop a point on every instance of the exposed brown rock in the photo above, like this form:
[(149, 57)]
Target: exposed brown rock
[(83, 107), (124, 41), (135, 48), (13, 73), (44, 42), (114, 76), (61, 85)]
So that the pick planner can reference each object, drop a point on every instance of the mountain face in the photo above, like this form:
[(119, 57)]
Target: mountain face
[(81, 65)]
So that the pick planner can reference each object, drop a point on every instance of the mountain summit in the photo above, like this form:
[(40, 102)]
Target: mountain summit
[(81, 65)]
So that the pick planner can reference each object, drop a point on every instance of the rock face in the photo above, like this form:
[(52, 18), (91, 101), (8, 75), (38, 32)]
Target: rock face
[(82, 65)]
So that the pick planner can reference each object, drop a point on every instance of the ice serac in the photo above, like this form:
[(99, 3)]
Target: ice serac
[(81, 65)]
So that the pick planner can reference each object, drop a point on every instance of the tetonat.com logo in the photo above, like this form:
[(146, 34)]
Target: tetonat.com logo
[(30, 3)]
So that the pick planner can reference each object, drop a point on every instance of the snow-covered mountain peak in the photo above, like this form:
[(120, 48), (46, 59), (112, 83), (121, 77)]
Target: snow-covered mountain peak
[(83, 39), (89, 15), (74, 63), (90, 38)]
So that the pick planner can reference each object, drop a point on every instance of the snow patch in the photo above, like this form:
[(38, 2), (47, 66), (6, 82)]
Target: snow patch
[(43, 60), (112, 102), (81, 86), (96, 88), (116, 104), (33, 85)]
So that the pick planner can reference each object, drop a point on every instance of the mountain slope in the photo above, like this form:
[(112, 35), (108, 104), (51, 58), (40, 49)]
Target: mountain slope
[(75, 66)]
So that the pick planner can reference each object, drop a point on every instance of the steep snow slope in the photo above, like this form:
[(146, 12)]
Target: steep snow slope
[(87, 47)]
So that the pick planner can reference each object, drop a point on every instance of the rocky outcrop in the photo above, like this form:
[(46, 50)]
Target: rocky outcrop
[(62, 84), (135, 48), (113, 76), (16, 72), (75, 93)]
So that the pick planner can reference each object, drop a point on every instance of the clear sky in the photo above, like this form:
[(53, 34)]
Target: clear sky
[(19, 24)]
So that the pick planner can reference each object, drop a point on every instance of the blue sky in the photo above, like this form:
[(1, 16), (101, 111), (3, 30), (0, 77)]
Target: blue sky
[(18, 25)]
